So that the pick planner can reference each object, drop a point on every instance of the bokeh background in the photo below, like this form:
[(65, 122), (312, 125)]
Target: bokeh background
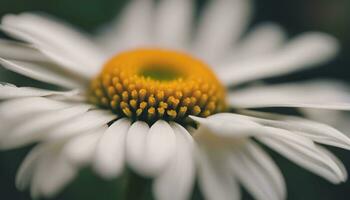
[(296, 16)]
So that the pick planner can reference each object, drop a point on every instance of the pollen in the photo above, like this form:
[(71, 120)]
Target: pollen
[(152, 84)]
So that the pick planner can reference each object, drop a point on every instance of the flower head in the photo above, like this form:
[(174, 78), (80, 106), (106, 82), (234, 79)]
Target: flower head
[(154, 84), (150, 95)]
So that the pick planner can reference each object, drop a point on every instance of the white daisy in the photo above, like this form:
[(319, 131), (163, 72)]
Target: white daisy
[(134, 97)]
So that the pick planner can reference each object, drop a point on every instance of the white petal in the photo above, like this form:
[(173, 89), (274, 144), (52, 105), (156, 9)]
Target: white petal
[(176, 182), (60, 38), (149, 150), (160, 147), (8, 91), (52, 173), (216, 181), (316, 131), (25, 172), (304, 153), (20, 51), (258, 173), (173, 23), (40, 58), (132, 29), (335, 118), (110, 151), (41, 73), (222, 23), (25, 107), (314, 94), (262, 40), (305, 51), (86, 122), (80, 150), (135, 146), (228, 125), (36, 127), (336, 160)]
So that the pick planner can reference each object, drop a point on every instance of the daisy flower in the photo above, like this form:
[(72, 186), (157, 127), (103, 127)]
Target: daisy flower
[(152, 93)]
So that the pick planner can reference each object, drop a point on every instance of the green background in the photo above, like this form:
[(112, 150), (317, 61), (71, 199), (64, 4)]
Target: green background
[(297, 16)]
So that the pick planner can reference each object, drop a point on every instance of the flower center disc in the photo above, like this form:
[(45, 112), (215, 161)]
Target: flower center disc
[(152, 84)]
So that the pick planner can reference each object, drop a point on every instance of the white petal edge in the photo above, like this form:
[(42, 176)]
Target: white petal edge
[(135, 146), (109, 157), (51, 174), (9, 91), (318, 132), (15, 109), (80, 125), (150, 149), (20, 51), (222, 23), (80, 149), (56, 36), (335, 118), (133, 28), (36, 127), (306, 51), (318, 94), (176, 182), (294, 146), (160, 147), (215, 179), (262, 40), (228, 125), (173, 23), (40, 73), (304, 153), (27, 167), (258, 173)]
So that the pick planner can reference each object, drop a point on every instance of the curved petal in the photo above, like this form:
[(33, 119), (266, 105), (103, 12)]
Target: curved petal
[(314, 94), (36, 127), (306, 51), (316, 131), (336, 160), (41, 73), (258, 173), (149, 150), (61, 39), (335, 118), (79, 125), (173, 23), (227, 125), (264, 39), (51, 174), (160, 147), (133, 28), (304, 153), (20, 51), (294, 146), (110, 151), (21, 108), (30, 57), (176, 182), (222, 23), (80, 149), (9, 91), (216, 181), (135, 146), (25, 172)]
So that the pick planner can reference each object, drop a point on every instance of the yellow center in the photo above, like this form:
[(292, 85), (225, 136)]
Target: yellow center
[(152, 84)]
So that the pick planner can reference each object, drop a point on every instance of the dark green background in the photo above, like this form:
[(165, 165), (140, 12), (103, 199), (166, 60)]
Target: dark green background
[(332, 16)]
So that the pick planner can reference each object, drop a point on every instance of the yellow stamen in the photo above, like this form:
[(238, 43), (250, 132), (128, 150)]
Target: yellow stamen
[(152, 84)]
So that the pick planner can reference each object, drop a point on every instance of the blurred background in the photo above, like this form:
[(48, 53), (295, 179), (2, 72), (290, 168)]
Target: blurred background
[(296, 16)]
